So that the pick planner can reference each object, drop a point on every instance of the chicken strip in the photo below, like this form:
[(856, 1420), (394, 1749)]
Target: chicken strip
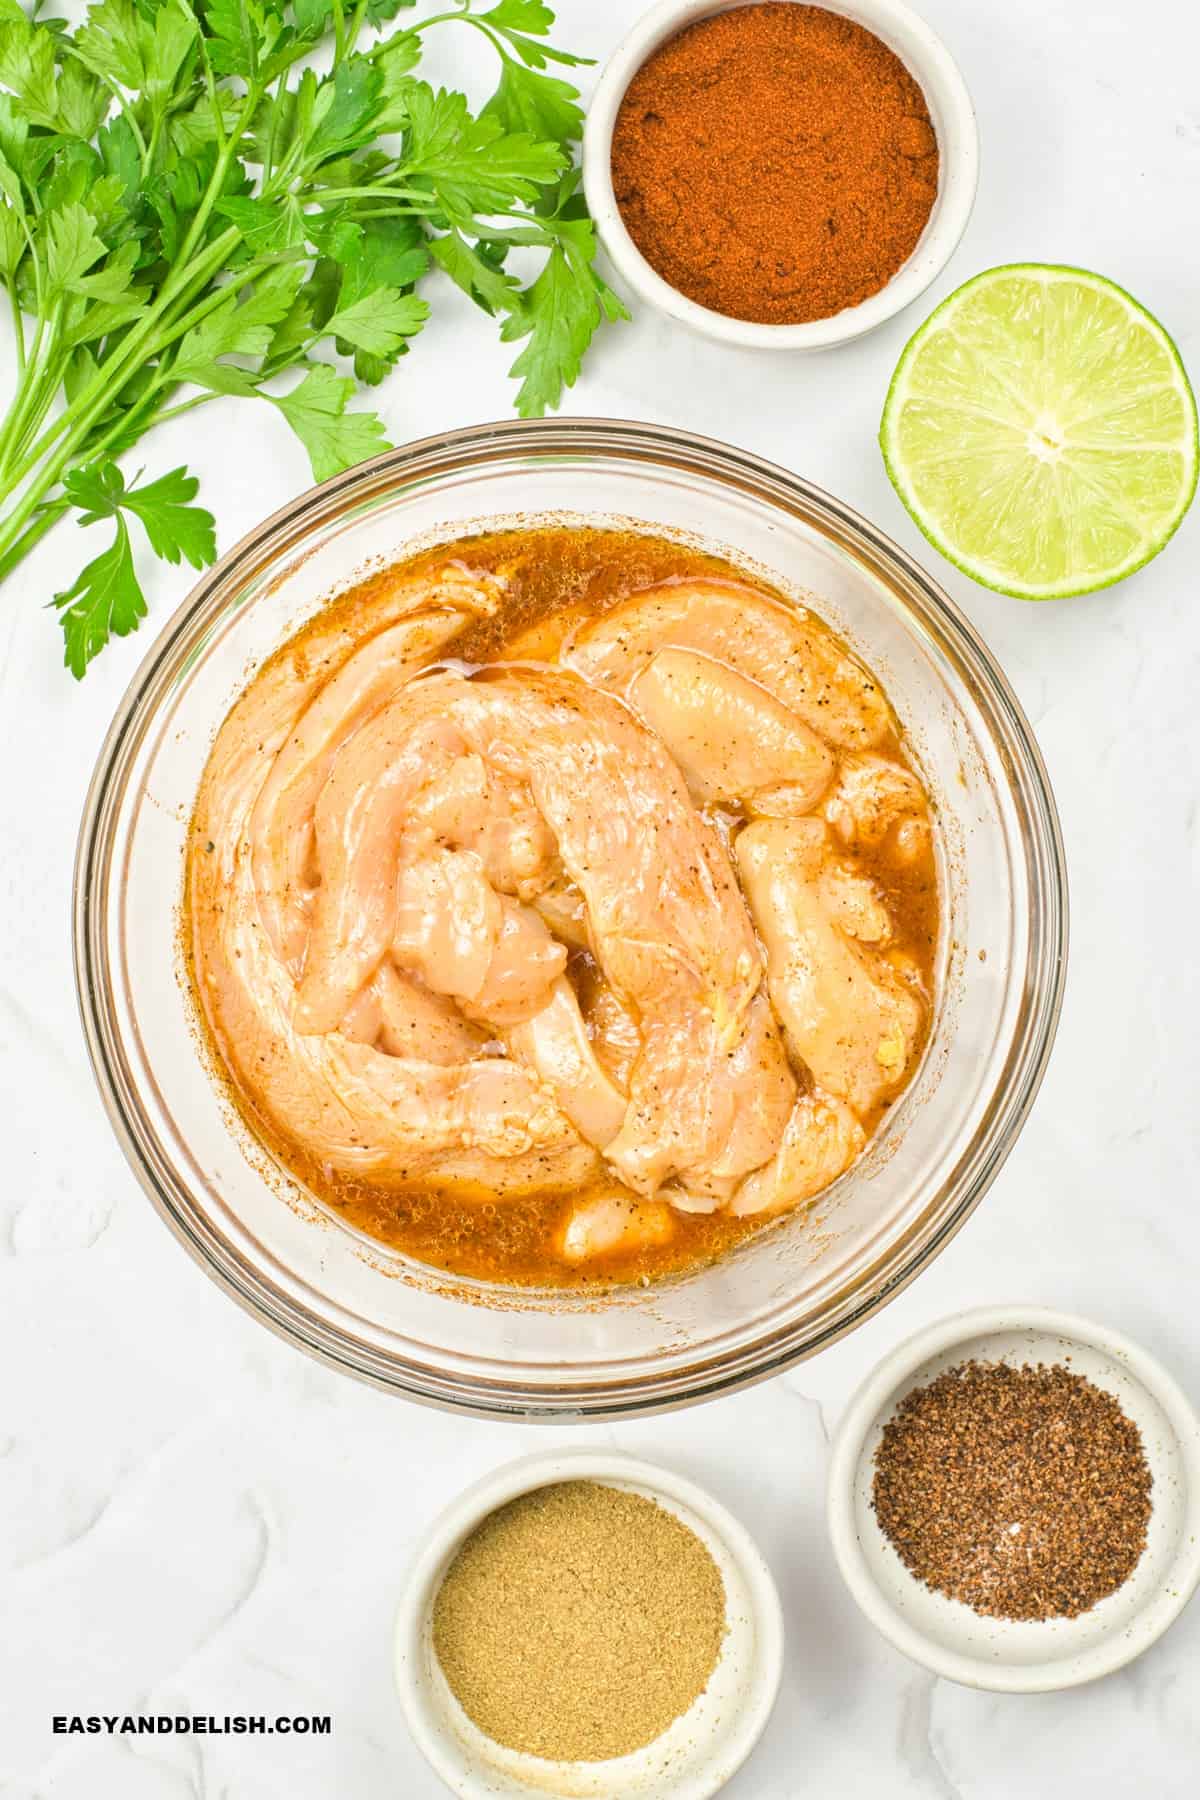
[(403, 1018), (473, 808), (854, 903), (732, 739), (608, 1223), (822, 1139), (492, 955), (416, 619), (612, 1029), (777, 646), (554, 1041), (359, 823), (877, 802), (759, 1075), (845, 1017)]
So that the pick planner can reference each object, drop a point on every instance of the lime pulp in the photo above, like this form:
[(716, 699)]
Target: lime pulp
[(1041, 430)]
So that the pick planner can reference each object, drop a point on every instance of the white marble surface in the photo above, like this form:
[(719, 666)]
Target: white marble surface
[(195, 1517)]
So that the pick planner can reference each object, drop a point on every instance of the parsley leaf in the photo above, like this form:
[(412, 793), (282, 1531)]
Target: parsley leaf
[(473, 165), (380, 11), (175, 528), (478, 274), (105, 600), (14, 133), (242, 325), (266, 224), (385, 253), (27, 68), (80, 101), (380, 321), (532, 16), (178, 531), (334, 438), (519, 21), (110, 41), (71, 247), (542, 105), (344, 110), (136, 47), (559, 313)]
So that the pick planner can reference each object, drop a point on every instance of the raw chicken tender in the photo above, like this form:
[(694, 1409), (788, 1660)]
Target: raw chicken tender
[(751, 634), (822, 1139), (478, 947), (416, 618), (732, 739), (403, 1018), (615, 1222), (854, 903), (560, 906), (612, 1029), (473, 808), (554, 1041), (845, 1016), (875, 797), (665, 919), (442, 1107), (764, 1089)]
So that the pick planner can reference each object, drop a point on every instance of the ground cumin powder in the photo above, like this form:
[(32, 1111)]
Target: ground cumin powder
[(579, 1622), (775, 163)]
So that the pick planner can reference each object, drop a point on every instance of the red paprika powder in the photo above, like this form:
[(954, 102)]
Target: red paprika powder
[(776, 162)]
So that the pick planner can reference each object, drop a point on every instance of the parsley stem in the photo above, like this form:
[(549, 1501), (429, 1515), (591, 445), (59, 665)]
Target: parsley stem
[(463, 18), (114, 371), (396, 212), (48, 515), (356, 20), (74, 423), (38, 387), (442, 18), (366, 193), (173, 412), (148, 411), (149, 152), (18, 327), (216, 180)]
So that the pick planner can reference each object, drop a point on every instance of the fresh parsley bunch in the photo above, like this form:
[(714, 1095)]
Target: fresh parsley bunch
[(190, 208)]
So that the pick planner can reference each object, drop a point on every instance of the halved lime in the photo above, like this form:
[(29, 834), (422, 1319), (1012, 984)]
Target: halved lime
[(1041, 431)]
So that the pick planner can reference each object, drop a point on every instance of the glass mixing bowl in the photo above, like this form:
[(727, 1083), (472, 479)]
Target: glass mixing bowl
[(803, 1281)]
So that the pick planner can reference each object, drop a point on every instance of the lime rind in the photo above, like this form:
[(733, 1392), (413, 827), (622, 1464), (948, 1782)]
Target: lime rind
[(1121, 493)]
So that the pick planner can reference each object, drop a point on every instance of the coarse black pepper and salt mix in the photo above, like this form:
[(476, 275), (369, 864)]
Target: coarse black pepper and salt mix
[(1013, 1499), (1023, 1492)]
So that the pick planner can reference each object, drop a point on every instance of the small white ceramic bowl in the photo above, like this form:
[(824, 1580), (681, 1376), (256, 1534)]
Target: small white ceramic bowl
[(700, 1751), (1005, 1655), (953, 117)]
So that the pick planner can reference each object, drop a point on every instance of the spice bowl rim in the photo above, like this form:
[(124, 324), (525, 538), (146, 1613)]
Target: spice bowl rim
[(941, 80), (893, 1377), (510, 1481)]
